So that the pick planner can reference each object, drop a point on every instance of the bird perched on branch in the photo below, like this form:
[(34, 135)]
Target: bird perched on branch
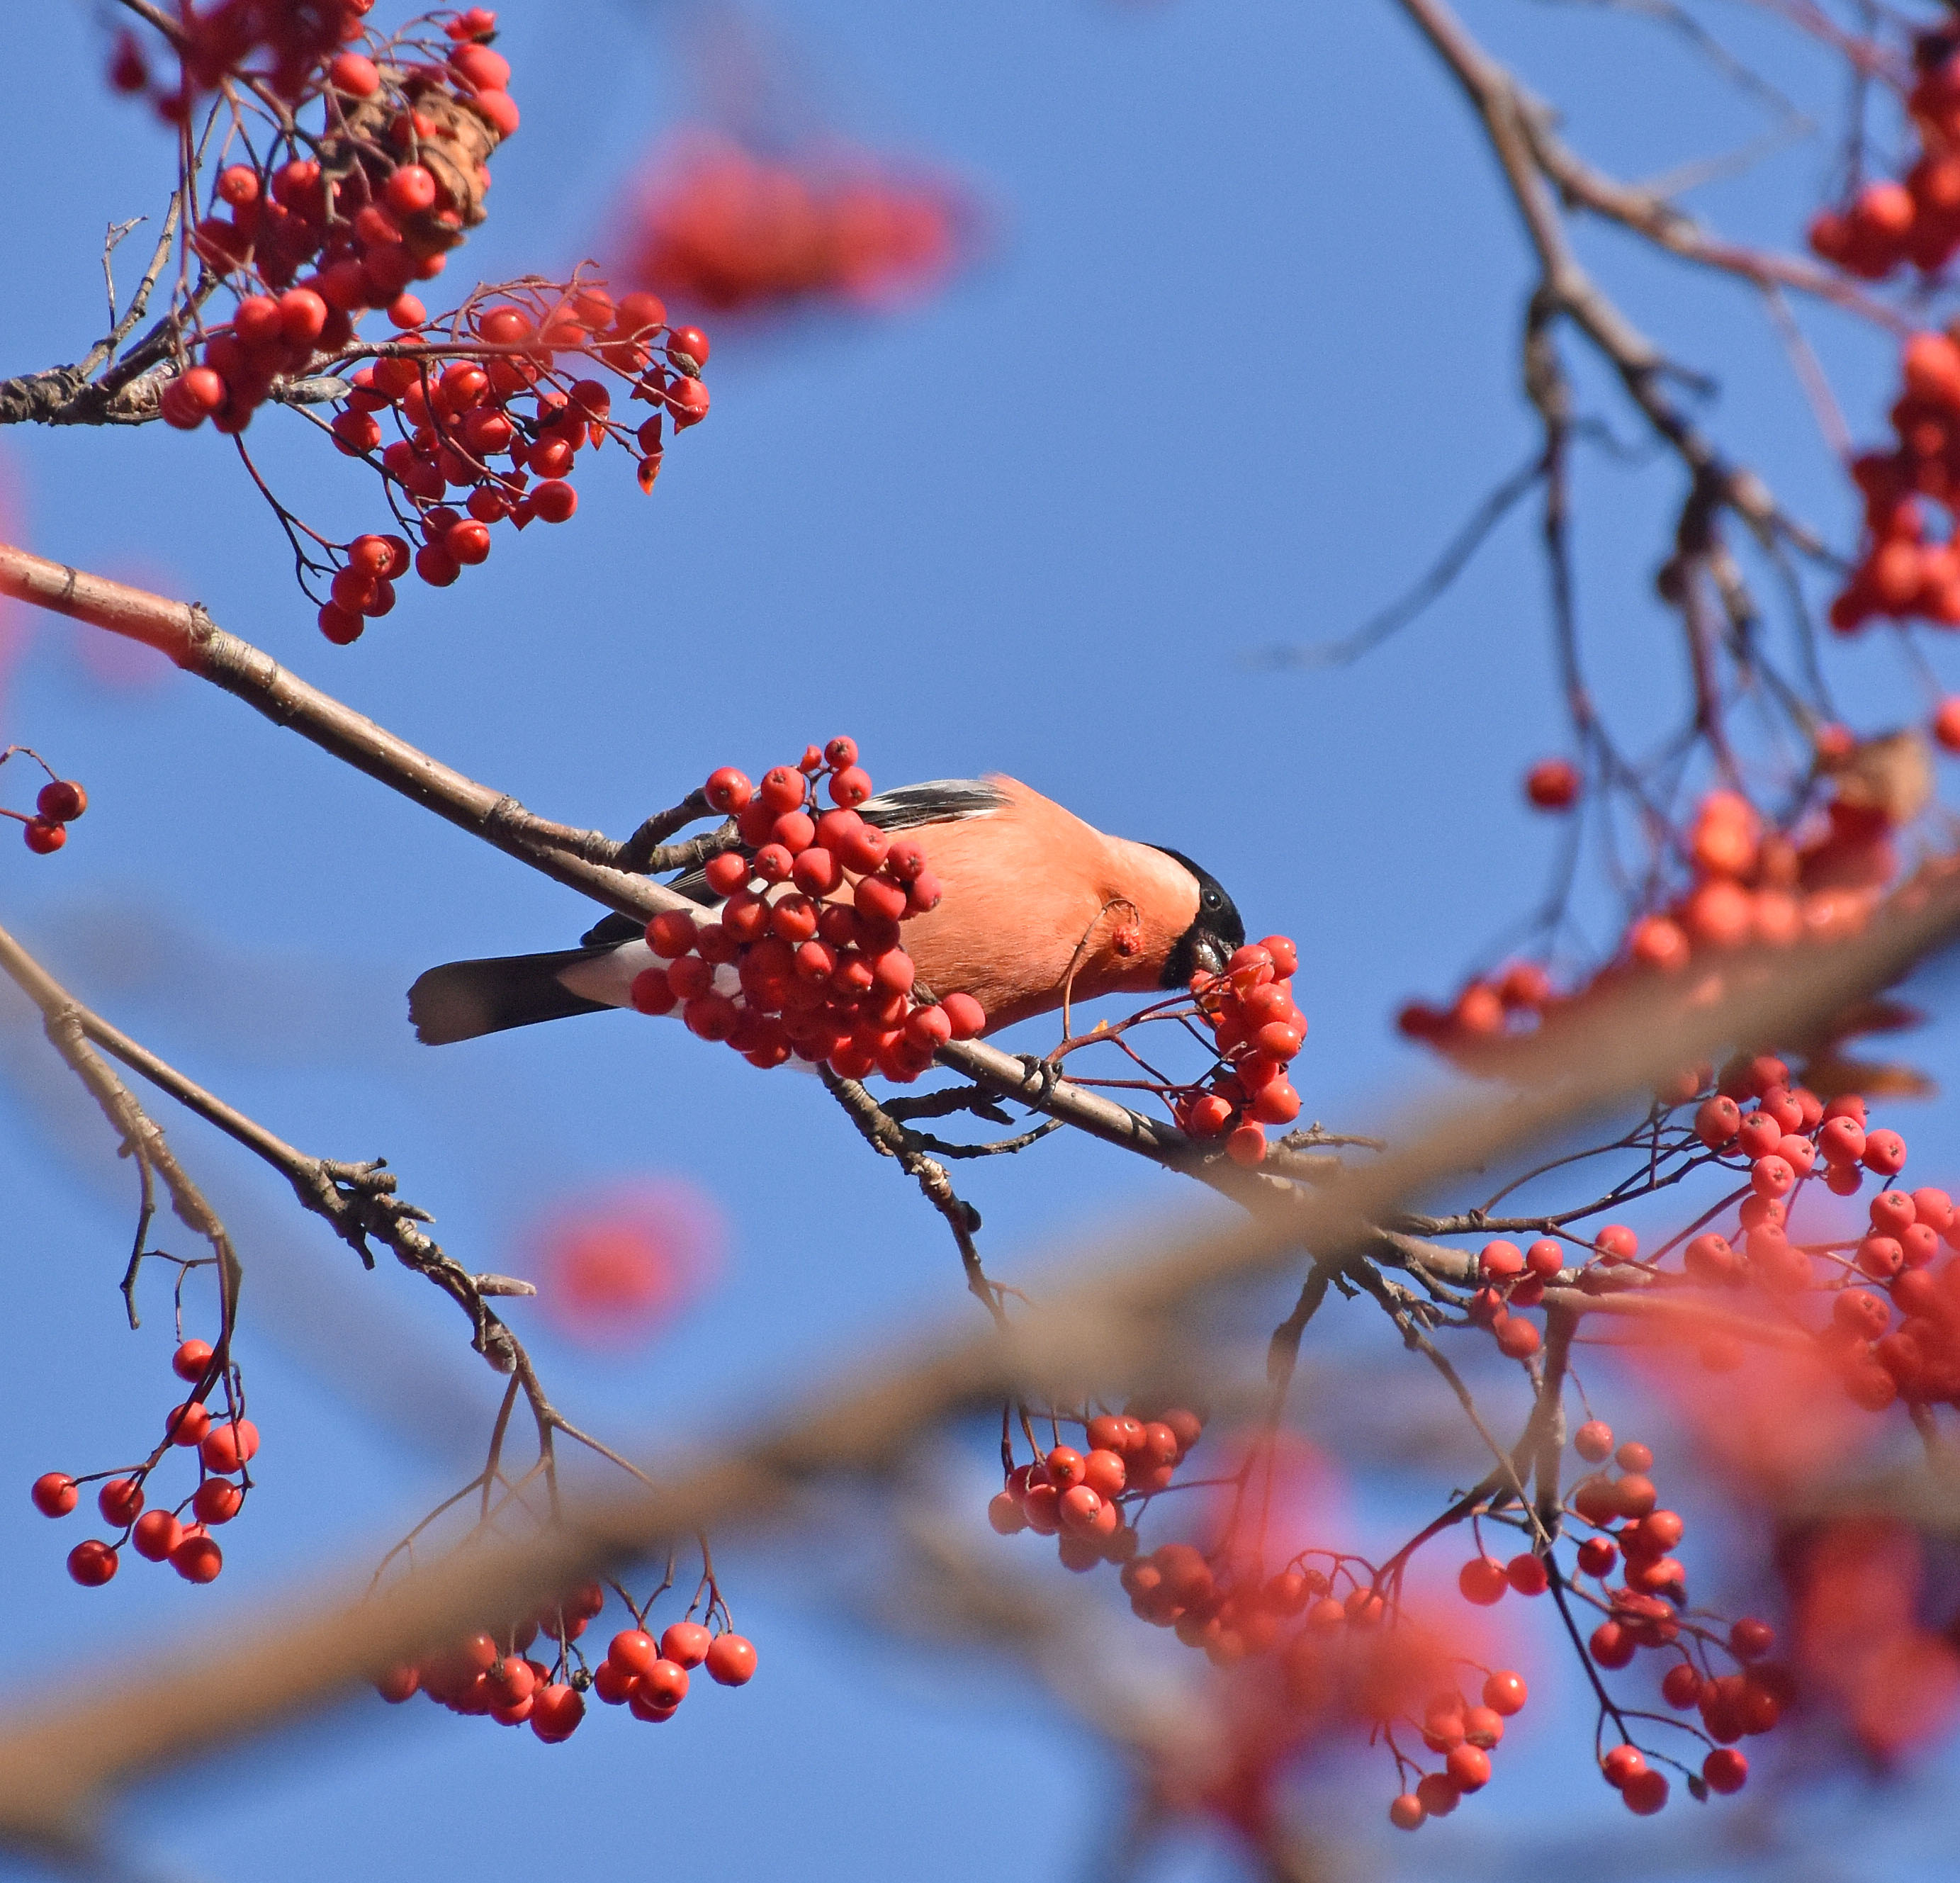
[(1037, 907)]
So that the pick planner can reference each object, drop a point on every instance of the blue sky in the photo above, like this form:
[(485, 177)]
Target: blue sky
[(1240, 357)]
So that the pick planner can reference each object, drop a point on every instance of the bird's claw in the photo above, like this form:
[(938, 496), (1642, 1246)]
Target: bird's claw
[(1044, 1071)]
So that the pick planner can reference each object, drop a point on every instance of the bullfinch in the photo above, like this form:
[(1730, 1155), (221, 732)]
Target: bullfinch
[(1037, 906)]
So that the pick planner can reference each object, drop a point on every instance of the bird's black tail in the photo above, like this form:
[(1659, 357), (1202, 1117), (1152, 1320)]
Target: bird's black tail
[(462, 1000)]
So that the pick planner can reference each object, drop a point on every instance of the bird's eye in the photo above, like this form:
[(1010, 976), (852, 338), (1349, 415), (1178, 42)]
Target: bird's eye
[(1211, 899)]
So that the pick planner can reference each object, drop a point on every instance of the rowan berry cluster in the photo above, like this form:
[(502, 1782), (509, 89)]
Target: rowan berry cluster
[(224, 1446), (1258, 1032), (1465, 1733), (396, 175), (1333, 1638), (1900, 574), (1889, 1270), (1648, 1609), (492, 1672), (489, 390), (330, 223), (1917, 220), (56, 806), (804, 953), (1779, 1137), (1816, 881), (1339, 1647), (1086, 1498), (723, 228)]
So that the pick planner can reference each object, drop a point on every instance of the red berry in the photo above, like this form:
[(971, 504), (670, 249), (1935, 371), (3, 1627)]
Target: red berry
[(342, 627), (633, 1652), (710, 1016), (55, 1494), (727, 873), (1610, 1646), (399, 1684), (685, 1643), (1621, 1763), (229, 1446), (1526, 1573), (43, 839), (436, 566), (687, 401), (817, 872), (556, 1712), (499, 107), (638, 314), (690, 977), (731, 1660), (120, 1500), (1681, 1686), (1246, 1145), (517, 1679), (849, 788), (727, 789), (783, 789), (353, 73), (157, 1534), (553, 500), (91, 1563), (1751, 1639), (190, 1360), (410, 190), (1552, 784), (1884, 1152), (217, 1501), (302, 316), (467, 542), (1469, 1767), (691, 342), (1436, 1793), (1407, 1812), (1645, 1793), (202, 390), (187, 1424), (1482, 1580), (1593, 1440), (1717, 1122), (1597, 1554), (664, 1684), (197, 1558), (1725, 1771), (672, 934)]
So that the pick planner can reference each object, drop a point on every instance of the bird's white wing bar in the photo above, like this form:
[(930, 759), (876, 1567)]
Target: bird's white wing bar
[(938, 801)]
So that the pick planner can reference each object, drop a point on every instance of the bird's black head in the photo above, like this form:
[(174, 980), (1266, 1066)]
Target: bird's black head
[(1217, 930)]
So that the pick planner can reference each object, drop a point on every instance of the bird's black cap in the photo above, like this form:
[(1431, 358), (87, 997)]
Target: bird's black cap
[(1216, 932)]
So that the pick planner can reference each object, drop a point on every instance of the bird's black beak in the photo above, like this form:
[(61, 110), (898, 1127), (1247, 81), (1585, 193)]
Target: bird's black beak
[(1208, 952)]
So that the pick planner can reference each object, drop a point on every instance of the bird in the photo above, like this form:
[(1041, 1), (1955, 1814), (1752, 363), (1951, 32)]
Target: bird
[(1037, 908)]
